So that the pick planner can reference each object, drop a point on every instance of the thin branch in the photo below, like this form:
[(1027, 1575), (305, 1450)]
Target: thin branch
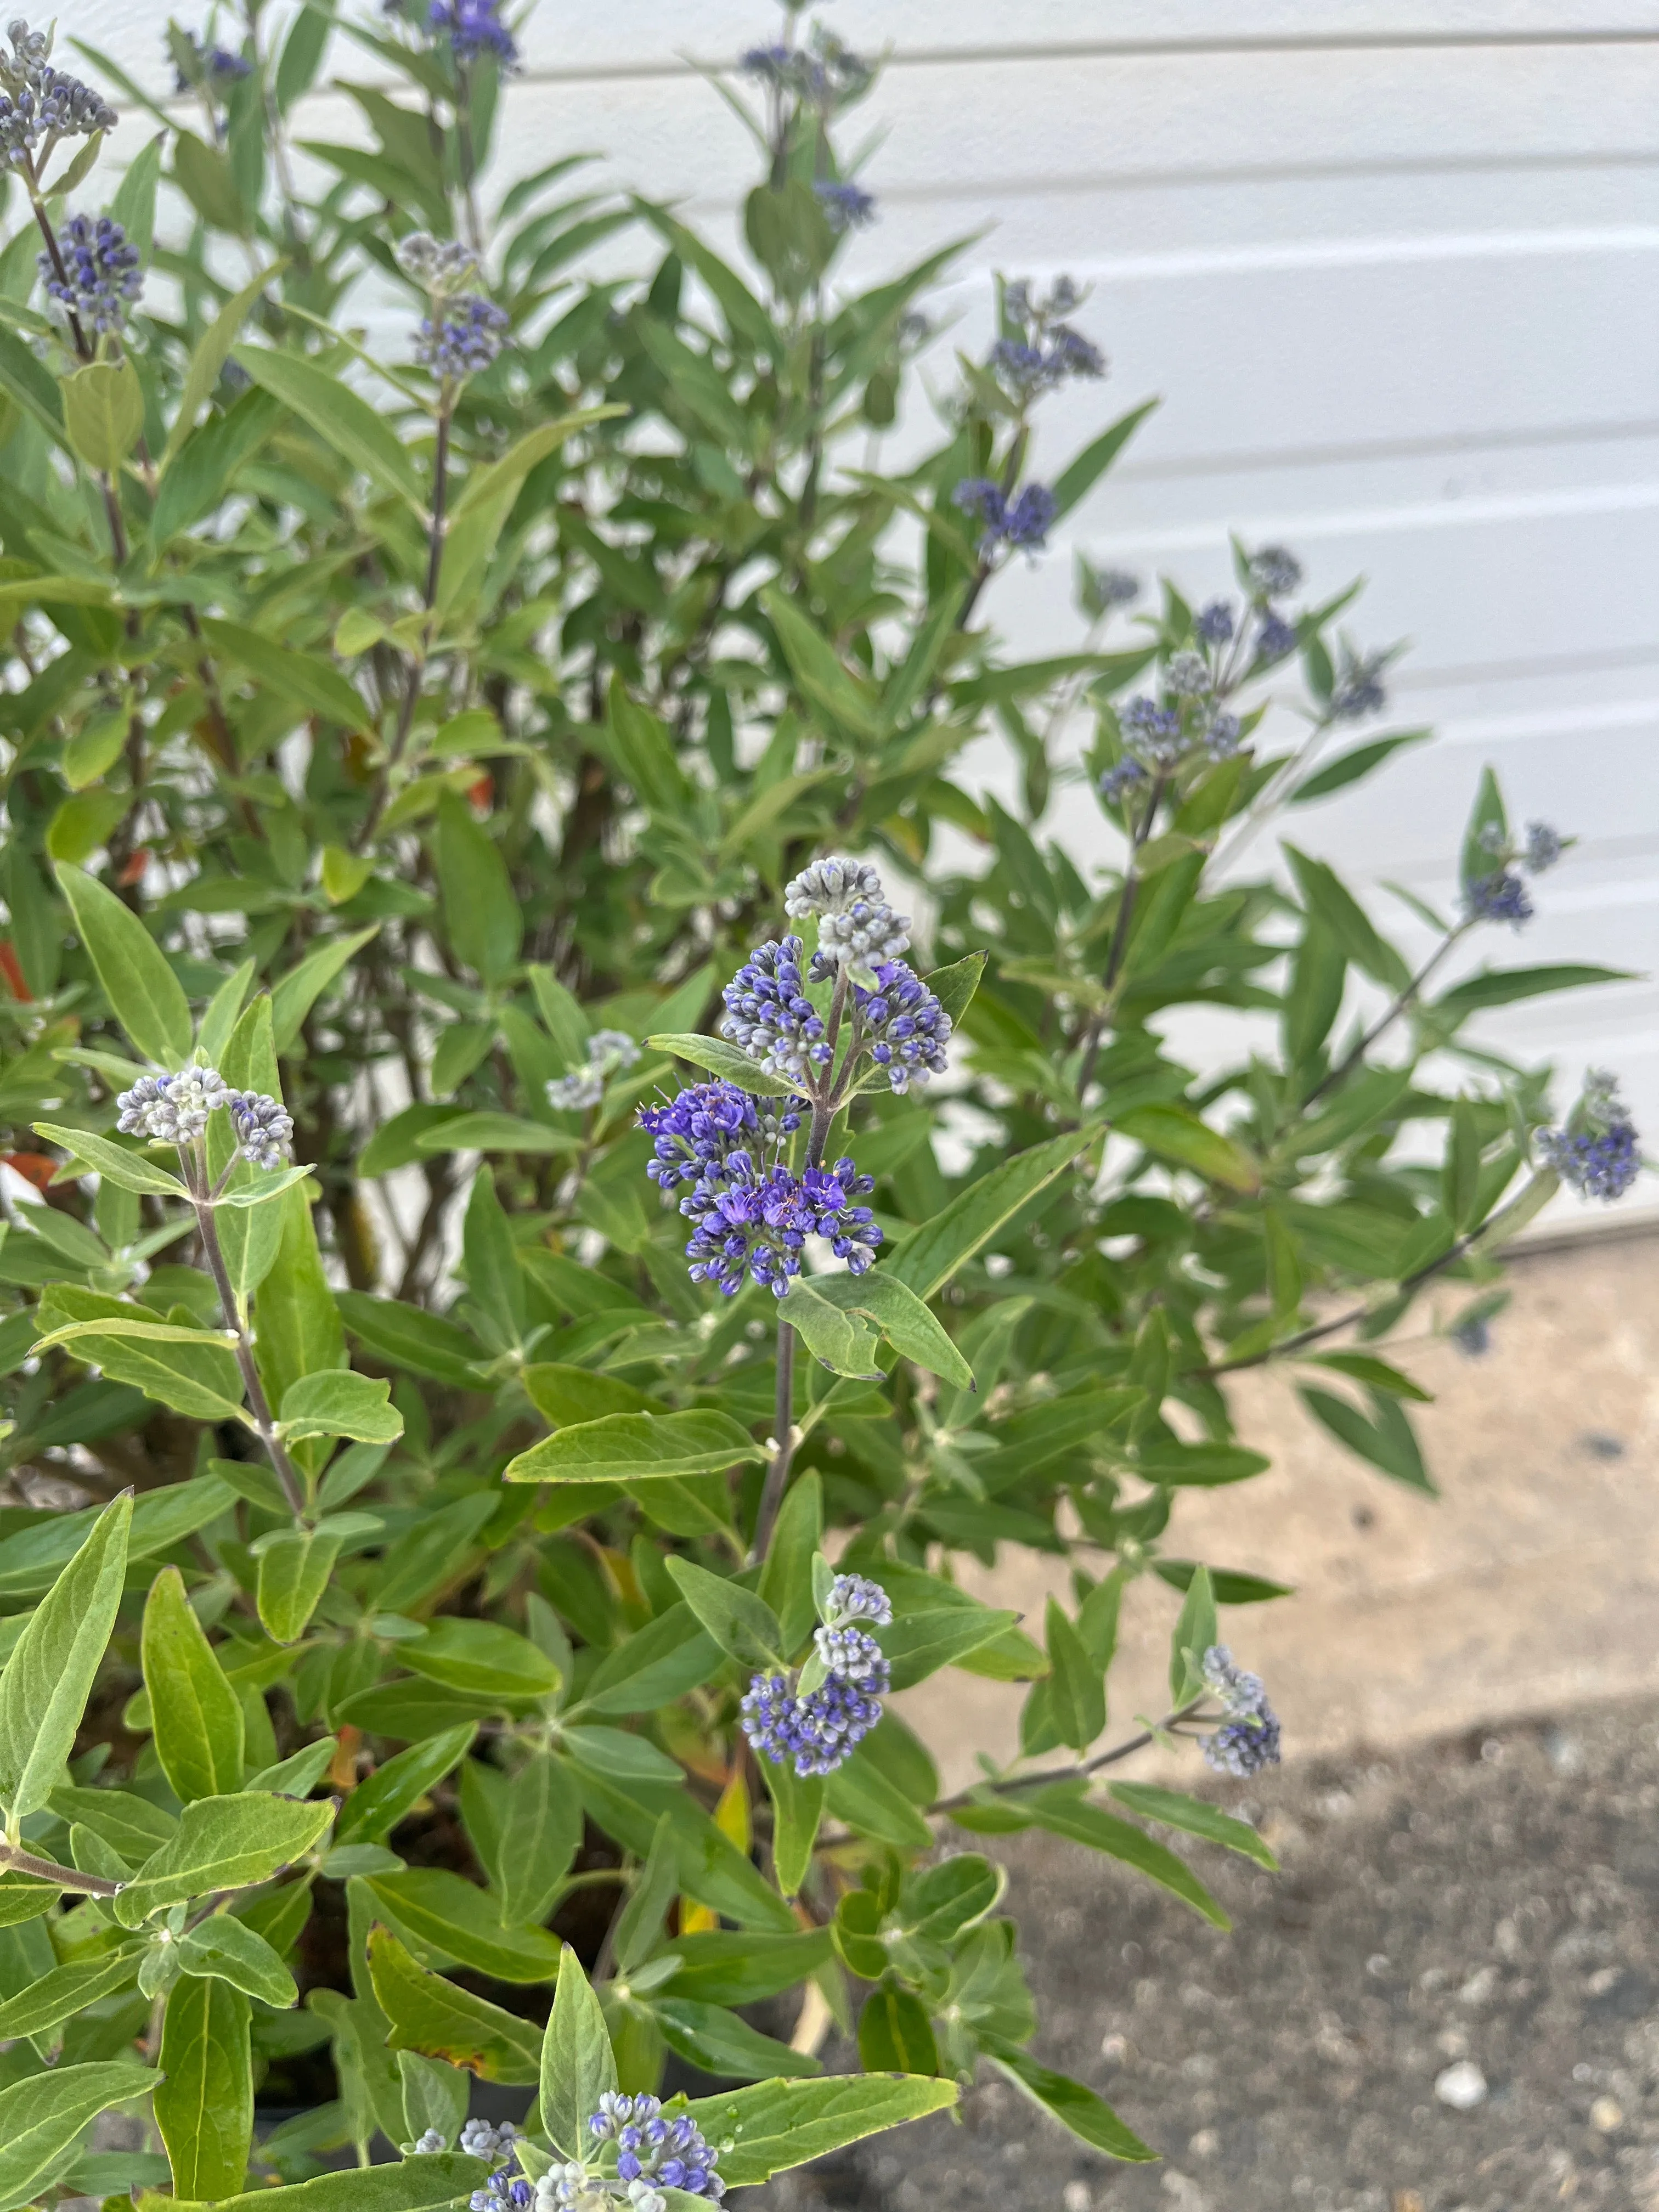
[(259, 1404), (89, 1884), (1119, 945), (1407, 997)]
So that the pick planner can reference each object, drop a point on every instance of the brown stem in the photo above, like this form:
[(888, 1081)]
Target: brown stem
[(259, 1404), (417, 664), (1407, 998), (1323, 1328), (14, 1861), (1120, 944)]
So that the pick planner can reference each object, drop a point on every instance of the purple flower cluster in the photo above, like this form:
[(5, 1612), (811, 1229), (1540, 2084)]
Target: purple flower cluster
[(703, 1127), (652, 2149), (769, 1016), (846, 207), (174, 1110), (212, 67), (475, 29), (1358, 690), (1273, 572), (1598, 1152), (102, 272), (817, 1734), (1499, 895), (1249, 1737), (1044, 350), (901, 1025), (856, 929), (1024, 520), (38, 101), (758, 1221), (465, 339), (824, 72)]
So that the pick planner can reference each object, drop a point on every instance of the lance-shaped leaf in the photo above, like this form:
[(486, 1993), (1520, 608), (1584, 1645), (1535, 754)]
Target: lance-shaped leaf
[(780, 2125), (434, 2180), (144, 995), (295, 1565), (1063, 1813), (842, 1341), (1076, 2107), (636, 1448), (49, 1675), (339, 1403), (1195, 1818), (195, 1715), (224, 1949), (739, 1622), (194, 1370), (578, 2066), (133, 1171), (204, 2106), (717, 1057), (441, 1914), (375, 1807), (718, 2042), (1177, 1133), (899, 1315), (41, 2117), (341, 417), (541, 1832), (67, 1990), (431, 2015), (223, 1843), (931, 1257)]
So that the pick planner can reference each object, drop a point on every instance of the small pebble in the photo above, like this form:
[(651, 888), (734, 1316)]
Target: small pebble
[(1207, 2142), (1075, 2197), (1605, 2115), (1462, 2086)]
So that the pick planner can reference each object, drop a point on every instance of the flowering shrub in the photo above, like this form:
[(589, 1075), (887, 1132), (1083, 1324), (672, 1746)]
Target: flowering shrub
[(453, 779)]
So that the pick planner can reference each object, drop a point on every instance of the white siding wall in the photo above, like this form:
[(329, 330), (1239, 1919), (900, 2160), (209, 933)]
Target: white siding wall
[(1394, 265)]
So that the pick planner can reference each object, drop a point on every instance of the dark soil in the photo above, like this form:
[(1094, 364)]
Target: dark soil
[(1490, 1903)]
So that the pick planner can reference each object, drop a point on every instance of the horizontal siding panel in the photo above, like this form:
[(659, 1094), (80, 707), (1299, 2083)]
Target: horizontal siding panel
[(657, 35)]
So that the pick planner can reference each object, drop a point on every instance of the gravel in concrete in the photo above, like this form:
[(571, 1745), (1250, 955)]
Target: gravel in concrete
[(1446, 2001)]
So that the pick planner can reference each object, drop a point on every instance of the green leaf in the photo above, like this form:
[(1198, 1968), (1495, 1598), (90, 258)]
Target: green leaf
[(1075, 1690), (1063, 1813), (49, 1675), (30, 1559), (295, 1565), (1079, 477), (739, 1622), (204, 175), (481, 1657), (430, 2183), (493, 1275), (895, 2033), (540, 1836), (1348, 768), (719, 1058), (671, 1654), (194, 1370), (837, 1340), (718, 2042), (23, 1899), (844, 699), (780, 2125), (407, 1336), (435, 2096), (341, 417), (902, 1317), (1326, 896), (1077, 2108), (786, 1579), (305, 679), (228, 1950), (954, 986), (860, 1794), (295, 994), (144, 996), (1195, 1818), (223, 1843), (934, 1253), (131, 1825), (339, 1403), (797, 1811), (212, 352), (129, 1170), (1387, 1442), (485, 921), (67, 1990), (636, 1448), (104, 413), (577, 2064), (41, 2115), (441, 1912), (431, 2015), (204, 2108), (195, 1714), (1176, 1133), (1195, 1634), (1503, 987), (489, 1132), (298, 1331), (374, 1808)]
